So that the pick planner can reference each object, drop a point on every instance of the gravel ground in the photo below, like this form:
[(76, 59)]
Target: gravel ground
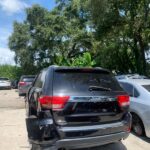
[(13, 134)]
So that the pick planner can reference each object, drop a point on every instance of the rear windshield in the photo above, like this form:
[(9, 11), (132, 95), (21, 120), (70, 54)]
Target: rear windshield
[(28, 79), (81, 81), (147, 87), (4, 79)]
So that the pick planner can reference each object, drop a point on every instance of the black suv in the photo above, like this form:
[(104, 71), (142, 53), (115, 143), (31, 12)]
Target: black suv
[(71, 108)]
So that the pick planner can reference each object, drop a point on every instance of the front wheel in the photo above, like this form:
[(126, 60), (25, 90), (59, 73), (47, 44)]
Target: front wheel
[(137, 126)]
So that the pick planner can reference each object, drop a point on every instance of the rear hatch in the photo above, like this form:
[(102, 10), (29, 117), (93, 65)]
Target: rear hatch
[(90, 97), (25, 82), (4, 82)]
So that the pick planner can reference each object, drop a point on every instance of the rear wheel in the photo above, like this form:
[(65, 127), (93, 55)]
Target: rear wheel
[(35, 147), (137, 125), (38, 147)]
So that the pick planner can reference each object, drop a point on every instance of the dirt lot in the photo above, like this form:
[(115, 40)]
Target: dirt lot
[(13, 132)]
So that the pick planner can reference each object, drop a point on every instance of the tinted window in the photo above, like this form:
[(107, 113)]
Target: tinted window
[(130, 89), (3, 79), (40, 80), (81, 81), (147, 87), (136, 93)]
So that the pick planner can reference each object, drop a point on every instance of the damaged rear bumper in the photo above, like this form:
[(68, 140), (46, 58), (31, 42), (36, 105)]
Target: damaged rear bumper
[(45, 134)]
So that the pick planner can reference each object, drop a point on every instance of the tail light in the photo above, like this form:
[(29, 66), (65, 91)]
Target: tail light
[(22, 83), (123, 100), (54, 102)]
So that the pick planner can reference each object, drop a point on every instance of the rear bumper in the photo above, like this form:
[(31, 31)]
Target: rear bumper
[(86, 142), (22, 92), (147, 128), (5, 87), (107, 133)]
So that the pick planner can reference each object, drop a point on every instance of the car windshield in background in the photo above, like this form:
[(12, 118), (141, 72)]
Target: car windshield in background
[(82, 81), (147, 87), (28, 79), (4, 79)]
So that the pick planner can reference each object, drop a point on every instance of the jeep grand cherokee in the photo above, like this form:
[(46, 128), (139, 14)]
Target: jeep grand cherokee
[(71, 108)]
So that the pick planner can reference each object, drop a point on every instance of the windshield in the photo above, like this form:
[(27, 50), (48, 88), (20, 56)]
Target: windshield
[(28, 79), (80, 81), (4, 79)]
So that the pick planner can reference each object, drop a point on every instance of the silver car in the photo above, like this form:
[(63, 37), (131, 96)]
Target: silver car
[(5, 83), (139, 91)]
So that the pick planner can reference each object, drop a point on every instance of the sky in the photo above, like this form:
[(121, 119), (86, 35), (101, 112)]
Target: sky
[(10, 11)]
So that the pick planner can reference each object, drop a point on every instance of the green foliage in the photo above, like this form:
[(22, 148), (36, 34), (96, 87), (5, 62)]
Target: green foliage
[(46, 38), (113, 33), (122, 28), (83, 61), (11, 72)]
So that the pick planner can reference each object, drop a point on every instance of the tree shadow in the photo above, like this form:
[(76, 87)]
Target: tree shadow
[(144, 138)]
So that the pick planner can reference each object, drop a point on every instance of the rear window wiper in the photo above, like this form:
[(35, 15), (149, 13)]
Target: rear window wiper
[(100, 88)]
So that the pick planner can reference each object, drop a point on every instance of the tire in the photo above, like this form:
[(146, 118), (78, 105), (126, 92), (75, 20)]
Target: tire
[(38, 147), (35, 147), (137, 125)]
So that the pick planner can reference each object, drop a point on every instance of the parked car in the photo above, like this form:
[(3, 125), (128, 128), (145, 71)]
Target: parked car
[(5, 83), (75, 108), (139, 91), (14, 84), (131, 76), (24, 83)]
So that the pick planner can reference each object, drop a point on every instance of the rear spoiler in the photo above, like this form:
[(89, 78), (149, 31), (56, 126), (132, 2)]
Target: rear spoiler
[(82, 70)]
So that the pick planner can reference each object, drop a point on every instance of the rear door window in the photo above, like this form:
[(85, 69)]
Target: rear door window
[(40, 79), (81, 81), (38, 83), (130, 89), (147, 87)]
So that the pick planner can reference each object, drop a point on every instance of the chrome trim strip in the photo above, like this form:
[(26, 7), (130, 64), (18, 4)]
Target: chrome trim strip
[(91, 127), (92, 99)]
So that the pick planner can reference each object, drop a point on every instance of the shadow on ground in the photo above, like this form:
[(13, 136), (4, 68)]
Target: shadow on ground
[(144, 138), (114, 146)]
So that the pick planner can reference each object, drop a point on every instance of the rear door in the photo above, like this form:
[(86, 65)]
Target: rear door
[(91, 97), (4, 82)]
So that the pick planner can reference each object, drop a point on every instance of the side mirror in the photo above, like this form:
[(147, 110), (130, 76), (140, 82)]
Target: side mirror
[(37, 93)]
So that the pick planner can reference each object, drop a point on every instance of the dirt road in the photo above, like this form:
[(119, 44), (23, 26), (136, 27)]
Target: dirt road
[(12, 121), (13, 134)]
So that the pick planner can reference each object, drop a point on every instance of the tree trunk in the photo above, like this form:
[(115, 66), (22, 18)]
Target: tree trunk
[(142, 54)]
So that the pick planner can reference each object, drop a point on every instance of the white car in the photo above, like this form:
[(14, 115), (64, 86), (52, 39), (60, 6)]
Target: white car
[(139, 91), (130, 76), (5, 83)]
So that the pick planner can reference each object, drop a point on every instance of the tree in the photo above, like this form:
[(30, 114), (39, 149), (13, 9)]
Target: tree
[(11, 72), (123, 29), (115, 34), (45, 37)]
